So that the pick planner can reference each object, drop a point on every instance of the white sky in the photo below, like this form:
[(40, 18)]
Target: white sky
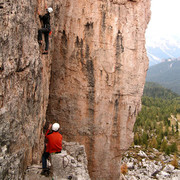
[(165, 18)]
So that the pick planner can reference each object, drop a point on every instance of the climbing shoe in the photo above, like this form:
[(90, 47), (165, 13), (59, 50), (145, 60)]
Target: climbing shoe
[(45, 52), (45, 173), (40, 42)]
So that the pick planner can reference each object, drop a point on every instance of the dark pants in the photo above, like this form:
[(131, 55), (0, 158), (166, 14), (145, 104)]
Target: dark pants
[(45, 156), (44, 160), (45, 31)]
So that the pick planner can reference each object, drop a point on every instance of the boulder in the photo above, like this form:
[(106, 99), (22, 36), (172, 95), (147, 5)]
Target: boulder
[(168, 168), (142, 154), (130, 165), (155, 150), (70, 164), (164, 174)]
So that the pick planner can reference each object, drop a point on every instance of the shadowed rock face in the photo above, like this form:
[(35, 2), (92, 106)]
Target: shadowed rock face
[(99, 65), (24, 88), (98, 73)]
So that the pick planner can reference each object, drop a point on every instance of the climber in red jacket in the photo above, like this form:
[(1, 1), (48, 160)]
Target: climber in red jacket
[(54, 145)]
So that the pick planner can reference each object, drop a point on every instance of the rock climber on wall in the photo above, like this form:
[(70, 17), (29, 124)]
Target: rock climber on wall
[(54, 145), (46, 29)]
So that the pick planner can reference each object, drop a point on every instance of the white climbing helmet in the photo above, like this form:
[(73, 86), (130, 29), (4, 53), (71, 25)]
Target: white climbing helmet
[(55, 127), (50, 10)]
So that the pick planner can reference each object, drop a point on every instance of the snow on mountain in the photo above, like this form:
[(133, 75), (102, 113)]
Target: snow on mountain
[(159, 48)]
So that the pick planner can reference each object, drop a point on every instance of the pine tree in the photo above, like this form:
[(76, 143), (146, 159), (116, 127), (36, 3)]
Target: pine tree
[(174, 162), (163, 145), (172, 129), (167, 150), (173, 147), (124, 168), (166, 133), (154, 143), (136, 139), (145, 139), (177, 128)]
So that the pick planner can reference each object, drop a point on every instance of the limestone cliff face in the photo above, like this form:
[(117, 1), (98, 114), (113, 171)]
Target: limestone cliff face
[(99, 64), (24, 88), (98, 73)]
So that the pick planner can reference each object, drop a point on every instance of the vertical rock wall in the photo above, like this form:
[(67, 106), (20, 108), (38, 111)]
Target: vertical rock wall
[(98, 74), (99, 65), (24, 87)]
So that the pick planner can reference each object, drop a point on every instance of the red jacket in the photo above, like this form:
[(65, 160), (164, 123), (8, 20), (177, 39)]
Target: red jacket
[(54, 142)]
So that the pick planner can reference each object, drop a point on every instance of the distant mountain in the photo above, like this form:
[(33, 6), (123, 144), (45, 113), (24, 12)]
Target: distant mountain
[(162, 48), (166, 74)]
